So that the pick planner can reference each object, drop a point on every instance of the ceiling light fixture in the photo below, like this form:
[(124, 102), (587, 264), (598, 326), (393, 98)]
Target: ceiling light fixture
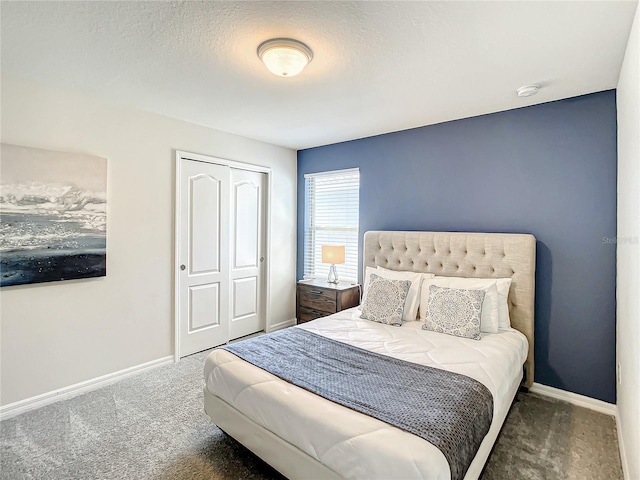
[(284, 57), (528, 90)]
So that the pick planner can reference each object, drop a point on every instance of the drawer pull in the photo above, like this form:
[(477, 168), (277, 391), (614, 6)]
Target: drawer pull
[(315, 292)]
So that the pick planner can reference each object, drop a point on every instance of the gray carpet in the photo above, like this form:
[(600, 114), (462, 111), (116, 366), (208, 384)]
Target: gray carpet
[(152, 426)]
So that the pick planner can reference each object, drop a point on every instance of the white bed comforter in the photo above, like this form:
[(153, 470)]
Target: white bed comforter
[(350, 443)]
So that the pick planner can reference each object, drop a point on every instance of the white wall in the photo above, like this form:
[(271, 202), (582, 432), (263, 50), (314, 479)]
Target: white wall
[(58, 334), (628, 255)]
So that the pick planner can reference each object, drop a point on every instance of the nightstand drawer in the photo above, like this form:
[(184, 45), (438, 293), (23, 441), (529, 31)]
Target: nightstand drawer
[(318, 298), (307, 314)]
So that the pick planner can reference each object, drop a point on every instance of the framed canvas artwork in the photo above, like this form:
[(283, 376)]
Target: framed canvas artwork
[(53, 216)]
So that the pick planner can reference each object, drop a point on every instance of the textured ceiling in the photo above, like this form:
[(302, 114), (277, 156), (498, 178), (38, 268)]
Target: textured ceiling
[(378, 66)]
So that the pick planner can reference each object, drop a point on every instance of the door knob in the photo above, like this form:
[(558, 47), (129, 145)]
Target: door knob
[(262, 259), (182, 267)]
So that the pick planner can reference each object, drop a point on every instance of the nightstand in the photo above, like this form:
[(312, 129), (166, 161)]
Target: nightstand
[(319, 298)]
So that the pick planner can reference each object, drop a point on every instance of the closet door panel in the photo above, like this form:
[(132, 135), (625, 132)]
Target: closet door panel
[(245, 297), (203, 270), (204, 223), (247, 251)]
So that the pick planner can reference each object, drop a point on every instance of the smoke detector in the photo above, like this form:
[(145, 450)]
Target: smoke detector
[(528, 90)]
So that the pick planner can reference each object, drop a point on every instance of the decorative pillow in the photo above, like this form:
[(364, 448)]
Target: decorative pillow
[(490, 317), (385, 299), (502, 285), (412, 302), (454, 311)]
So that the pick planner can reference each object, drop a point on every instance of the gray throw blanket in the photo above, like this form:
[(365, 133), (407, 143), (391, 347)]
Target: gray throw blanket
[(449, 410)]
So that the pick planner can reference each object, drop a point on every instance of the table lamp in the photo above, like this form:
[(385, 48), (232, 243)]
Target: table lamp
[(333, 254)]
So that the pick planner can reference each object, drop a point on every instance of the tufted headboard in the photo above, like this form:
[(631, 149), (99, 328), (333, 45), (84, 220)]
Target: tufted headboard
[(473, 255)]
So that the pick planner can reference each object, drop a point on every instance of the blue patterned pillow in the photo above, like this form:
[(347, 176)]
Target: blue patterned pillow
[(454, 311), (385, 298)]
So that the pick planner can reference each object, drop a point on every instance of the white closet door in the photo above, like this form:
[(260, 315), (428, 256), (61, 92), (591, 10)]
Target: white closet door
[(203, 272), (248, 191)]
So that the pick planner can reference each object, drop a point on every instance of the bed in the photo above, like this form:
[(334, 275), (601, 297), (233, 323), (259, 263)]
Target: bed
[(303, 435)]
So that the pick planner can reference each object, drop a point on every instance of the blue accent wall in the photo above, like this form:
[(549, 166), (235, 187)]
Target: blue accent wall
[(549, 170)]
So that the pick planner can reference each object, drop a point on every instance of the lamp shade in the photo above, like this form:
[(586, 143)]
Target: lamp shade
[(333, 254)]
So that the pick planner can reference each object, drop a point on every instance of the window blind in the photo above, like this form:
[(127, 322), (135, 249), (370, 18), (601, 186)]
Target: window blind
[(332, 206)]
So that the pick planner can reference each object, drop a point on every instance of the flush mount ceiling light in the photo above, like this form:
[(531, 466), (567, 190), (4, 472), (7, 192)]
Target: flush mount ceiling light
[(284, 57), (528, 90)]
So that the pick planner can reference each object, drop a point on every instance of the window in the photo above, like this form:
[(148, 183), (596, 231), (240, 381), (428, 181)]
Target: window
[(332, 205)]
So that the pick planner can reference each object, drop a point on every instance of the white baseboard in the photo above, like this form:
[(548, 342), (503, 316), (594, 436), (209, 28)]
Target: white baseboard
[(277, 326), (623, 453), (574, 399), (21, 406)]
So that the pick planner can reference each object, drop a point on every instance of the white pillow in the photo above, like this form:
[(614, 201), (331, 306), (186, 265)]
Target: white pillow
[(503, 285), (412, 301), (490, 317)]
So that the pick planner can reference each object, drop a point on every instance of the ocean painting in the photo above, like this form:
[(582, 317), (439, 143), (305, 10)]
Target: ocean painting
[(53, 216)]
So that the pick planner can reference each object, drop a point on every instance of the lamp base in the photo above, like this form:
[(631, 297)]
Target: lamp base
[(333, 274)]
